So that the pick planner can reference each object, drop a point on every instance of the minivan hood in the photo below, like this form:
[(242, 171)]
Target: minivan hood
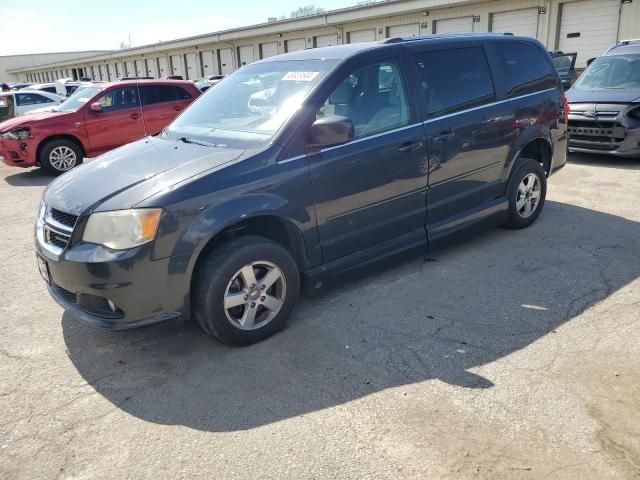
[(30, 119), (126, 176), (626, 95)]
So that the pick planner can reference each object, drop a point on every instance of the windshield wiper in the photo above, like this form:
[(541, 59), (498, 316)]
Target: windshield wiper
[(196, 142)]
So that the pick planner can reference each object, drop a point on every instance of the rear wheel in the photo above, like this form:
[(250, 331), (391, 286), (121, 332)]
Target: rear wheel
[(526, 193), (60, 155), (245, 290)]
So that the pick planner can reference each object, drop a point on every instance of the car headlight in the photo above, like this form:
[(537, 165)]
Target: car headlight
[(17, 134), (122, 229)]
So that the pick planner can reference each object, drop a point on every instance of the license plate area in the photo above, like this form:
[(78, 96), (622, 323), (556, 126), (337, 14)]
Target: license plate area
[(43, 268)]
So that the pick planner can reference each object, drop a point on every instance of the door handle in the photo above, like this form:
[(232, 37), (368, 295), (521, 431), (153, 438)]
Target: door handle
[(135, 116), (409, 147), (443, 136)]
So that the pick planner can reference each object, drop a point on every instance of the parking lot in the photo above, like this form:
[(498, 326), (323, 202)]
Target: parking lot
[(512, 354)]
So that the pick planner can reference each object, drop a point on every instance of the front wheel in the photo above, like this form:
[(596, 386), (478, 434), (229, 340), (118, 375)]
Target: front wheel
[(245, 290), (526, 193), (60, 155)]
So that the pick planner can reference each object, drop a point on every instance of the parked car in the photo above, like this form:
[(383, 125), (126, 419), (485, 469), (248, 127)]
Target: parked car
[(206, 83), (221, 215), (93, 121), (566, 65), (605, 104), (18, 103), (67, 86), (18, 85), (134, 78), (42, 87), (174, 77)]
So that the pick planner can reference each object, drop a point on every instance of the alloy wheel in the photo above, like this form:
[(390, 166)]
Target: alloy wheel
[(528, 196), (255, 295), (62, 158)]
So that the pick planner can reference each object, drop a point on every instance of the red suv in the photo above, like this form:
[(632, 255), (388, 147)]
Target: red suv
[(93, 120)]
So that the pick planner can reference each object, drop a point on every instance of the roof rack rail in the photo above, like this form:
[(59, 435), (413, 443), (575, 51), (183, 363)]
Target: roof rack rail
[(443, 35), (629, 41)]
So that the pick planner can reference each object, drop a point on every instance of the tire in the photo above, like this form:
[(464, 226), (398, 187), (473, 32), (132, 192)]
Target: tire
[(60, 155), (526, 193), (222, 273)]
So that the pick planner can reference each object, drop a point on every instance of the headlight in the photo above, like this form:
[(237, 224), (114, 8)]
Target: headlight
[(122, 229), (17, 134)]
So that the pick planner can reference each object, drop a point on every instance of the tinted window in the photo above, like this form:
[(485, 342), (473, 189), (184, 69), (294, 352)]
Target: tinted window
[(373, 97), (48, 89), (181, 93), (527, 68), (31, 99), (157, 94), (456, 79), (118, 98)]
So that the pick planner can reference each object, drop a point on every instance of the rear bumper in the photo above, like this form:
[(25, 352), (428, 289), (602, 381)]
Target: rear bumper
[(18, 153)]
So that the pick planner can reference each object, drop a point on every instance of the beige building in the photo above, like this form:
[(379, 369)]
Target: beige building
[(584, 26), (13, 62)]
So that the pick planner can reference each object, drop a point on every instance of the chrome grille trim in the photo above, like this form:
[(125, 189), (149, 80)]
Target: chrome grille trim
[(55, 233)]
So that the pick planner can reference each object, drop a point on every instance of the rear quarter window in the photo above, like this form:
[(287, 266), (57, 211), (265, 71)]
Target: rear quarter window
[(181, 93), (527, 69)]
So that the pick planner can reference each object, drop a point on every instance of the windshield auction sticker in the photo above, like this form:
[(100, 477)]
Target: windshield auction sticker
[(300, 76)]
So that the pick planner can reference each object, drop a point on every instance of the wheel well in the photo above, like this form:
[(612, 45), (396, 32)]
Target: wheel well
[(269, 226), (539, 150), (60, 137)]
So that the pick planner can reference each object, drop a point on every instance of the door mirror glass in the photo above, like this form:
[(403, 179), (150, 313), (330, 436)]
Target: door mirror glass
[(331, 131), (96, 107)]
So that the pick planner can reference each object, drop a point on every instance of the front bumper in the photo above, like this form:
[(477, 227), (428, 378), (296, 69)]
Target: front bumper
[(116, 290), (604, 129), (18, 153)]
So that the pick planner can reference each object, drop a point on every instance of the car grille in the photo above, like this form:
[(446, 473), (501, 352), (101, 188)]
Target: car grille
[(58, 227), (65, 219), (594, 126)]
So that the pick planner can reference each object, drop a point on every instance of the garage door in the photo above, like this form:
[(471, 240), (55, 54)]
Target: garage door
[(246, 55), (164, 67), (361, 36), (454, 25), (208, 63), (403, 30), (295, 45), (325, 40), (588, 27), (152, 67), (519, 22), (130, 71), (193, 72), (226, 61), (177, 65), (268, 49), (140, 68)]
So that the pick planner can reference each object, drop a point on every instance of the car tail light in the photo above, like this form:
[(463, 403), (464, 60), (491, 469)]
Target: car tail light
[(565, 108)]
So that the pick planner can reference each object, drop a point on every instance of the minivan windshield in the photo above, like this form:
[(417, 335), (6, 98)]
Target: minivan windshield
[(78, 98), (611, 72), (249, 106)]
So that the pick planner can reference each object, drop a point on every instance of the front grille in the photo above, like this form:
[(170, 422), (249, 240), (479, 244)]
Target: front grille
[(595, 131), (65, 219), (58, 227)]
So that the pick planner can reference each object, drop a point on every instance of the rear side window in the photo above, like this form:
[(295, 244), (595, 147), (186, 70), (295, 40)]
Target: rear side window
[(455, 80), (181, 93), (526, 68), (23, 99), (157, 94)]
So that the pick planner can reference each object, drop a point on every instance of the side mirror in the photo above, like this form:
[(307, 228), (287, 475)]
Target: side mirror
[(330, 131), (96, 107)]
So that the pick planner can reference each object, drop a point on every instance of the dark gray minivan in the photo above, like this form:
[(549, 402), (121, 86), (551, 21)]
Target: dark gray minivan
[(298, 167)]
